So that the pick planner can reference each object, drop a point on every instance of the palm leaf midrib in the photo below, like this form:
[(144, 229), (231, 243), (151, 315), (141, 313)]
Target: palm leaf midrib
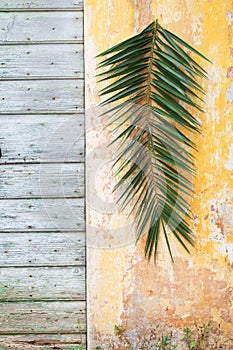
[(151, 74), (152, 154), (150, 64)]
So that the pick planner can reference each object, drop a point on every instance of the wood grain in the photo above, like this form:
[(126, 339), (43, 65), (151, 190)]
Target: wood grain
[(20, 249), (46, 180), (42, 214), (42, 283), (41, 4), (40, 61), (41, 96), (40, 26), (41, 341), (42, 317), (42, 250), (43, 138)]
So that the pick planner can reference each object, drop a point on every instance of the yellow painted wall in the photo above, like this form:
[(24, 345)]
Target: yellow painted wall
[(122, 287)]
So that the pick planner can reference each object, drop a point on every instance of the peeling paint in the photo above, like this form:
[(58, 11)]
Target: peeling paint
[(229, 14), (229, 93), (231, 52), (230, 72), (123, 287), (229, 163)]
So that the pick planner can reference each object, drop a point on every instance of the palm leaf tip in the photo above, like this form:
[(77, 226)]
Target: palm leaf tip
[(154, 91)]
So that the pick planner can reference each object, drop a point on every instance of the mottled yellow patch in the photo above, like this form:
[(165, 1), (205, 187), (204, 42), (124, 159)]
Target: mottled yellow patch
[(122, 286)]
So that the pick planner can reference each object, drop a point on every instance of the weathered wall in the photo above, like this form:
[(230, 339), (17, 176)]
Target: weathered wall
[(123, 288)]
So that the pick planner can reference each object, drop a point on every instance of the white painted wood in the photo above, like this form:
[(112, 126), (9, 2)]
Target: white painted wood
[(41, 61), (66, 283), (39, 138), (42, 241), (42, 214), (40, 26), (42, 249), (41, 96), (42, 317), (36, 180), (50, 4)]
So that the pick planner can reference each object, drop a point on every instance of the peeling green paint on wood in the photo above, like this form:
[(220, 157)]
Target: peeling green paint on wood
[(42, 250)]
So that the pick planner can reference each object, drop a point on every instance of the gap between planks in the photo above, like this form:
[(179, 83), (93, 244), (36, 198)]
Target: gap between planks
[(40, 78), (64, 230), (39, 162), (40, 197), (38, 266), (67, 9), (43, 332), (49, 42), (37, 300), (32, 112), (46, 230), (45, 162)]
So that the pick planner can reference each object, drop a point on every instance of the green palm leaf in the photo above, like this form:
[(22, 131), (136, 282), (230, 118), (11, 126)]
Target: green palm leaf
[(154, 91)]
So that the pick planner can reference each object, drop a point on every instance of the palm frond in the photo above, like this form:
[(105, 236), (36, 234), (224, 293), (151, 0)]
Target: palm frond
[(154, 90)]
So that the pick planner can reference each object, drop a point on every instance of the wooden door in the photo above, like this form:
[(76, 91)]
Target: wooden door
[(42, 240)]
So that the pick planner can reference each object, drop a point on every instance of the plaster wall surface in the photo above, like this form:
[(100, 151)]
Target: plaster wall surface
[(123, 288)]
